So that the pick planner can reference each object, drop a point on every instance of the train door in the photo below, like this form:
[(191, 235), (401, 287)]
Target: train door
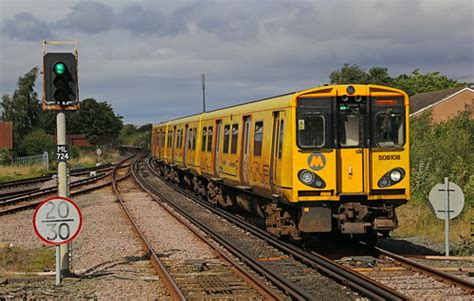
[(217, 149), (351, 155), (245, 151), (173, 143), (185, 139), (277, 148)]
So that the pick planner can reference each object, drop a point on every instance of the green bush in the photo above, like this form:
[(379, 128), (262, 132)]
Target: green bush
[(35, 143), (4, 157), (442, 150)]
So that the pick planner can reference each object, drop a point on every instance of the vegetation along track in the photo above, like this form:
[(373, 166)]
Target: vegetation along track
[(222, 277), (300, 274), (26, 200), (414, 279), (31, 181)]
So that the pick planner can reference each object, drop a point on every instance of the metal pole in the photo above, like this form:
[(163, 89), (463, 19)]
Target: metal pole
[(203, 84), (446, 221), (62, 184), (58, 265)]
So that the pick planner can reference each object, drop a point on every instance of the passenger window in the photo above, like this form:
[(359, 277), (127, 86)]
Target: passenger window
[(189, 138), (204, 136), (235, 135), (258, 138), (194, 139), (226, 138), (209, 139), (178, 139), (280, 142)]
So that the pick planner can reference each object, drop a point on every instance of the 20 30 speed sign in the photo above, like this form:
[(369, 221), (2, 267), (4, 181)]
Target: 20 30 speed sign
[(57, 220)]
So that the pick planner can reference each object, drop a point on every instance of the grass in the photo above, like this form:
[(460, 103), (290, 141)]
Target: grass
[(416, 219), (88, 158), (18, 172), (16, 259)]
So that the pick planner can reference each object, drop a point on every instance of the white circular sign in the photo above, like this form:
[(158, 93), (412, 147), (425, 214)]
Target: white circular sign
[(57, 220), (99, 152), (438, 196)]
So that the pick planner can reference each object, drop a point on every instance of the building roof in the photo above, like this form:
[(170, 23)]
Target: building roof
[(421, 101)]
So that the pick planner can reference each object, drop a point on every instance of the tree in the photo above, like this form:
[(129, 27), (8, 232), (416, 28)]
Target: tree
[(36, 142), (379, 76), (419, 83), (23, 106), (411, 84), (95, 119), (349, 74)]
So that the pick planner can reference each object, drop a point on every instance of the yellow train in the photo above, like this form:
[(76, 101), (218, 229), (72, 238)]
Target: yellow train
[(327, 159)]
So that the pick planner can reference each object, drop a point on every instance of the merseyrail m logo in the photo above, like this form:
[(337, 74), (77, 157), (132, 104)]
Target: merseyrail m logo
[(316, 161)]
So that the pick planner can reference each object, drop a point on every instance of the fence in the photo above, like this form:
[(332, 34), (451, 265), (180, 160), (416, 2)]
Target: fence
[(32, 160)]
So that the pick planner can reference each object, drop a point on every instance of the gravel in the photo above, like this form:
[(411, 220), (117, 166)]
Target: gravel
[(107, 256)]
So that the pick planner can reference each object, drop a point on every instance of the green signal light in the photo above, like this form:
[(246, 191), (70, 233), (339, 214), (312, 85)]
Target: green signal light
[(343, 108), (59, 68)]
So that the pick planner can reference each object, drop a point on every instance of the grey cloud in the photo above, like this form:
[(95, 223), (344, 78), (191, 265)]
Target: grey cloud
[(25, 26), (140, 21), (89, 17)]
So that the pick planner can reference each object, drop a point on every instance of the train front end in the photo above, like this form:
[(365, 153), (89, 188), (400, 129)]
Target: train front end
[(350, 158)]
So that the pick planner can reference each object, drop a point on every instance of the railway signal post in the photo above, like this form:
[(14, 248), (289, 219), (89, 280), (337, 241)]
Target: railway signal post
[(61, 93)]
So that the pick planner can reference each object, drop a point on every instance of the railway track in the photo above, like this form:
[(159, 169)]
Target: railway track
[(27, 199), (301, 263), (219, 278), (414, 279)]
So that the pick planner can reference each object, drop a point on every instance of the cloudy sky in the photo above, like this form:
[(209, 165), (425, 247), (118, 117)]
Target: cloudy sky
[(146, 57)]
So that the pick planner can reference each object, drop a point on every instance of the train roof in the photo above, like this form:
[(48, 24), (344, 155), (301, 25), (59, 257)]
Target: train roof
[(283, 100)]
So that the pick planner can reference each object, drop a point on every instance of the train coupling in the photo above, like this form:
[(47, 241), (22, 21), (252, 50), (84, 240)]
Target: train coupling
[(355, 218)]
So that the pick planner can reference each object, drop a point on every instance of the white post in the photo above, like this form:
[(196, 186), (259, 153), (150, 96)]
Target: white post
[(58, 266), (446, 222), (62, 185)]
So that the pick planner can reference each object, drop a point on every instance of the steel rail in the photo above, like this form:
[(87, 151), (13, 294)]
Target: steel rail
[(257, 284), (73, 193), (445, 277), (157, 264), (357, 281), (287, 286)]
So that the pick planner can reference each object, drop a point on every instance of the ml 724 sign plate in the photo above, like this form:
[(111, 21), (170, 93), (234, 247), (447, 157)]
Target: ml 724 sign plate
[(57, 220), (62, 153)]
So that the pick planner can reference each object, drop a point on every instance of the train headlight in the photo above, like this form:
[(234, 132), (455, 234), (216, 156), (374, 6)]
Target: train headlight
[(392, 177), (307, 177), (311, 179), (395, 175)]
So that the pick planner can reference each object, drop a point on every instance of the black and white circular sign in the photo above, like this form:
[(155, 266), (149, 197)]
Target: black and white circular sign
[(57, 220)]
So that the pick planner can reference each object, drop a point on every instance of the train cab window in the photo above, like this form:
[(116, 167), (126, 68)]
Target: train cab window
[(389, 130), (349, 126), (280, 141), (311, 128), (194, 139), (209, 139), (226, 138), (235, 135), (204, 136), (258, 138)]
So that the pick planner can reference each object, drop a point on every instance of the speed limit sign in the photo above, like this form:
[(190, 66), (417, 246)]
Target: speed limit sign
[(57, 220)]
